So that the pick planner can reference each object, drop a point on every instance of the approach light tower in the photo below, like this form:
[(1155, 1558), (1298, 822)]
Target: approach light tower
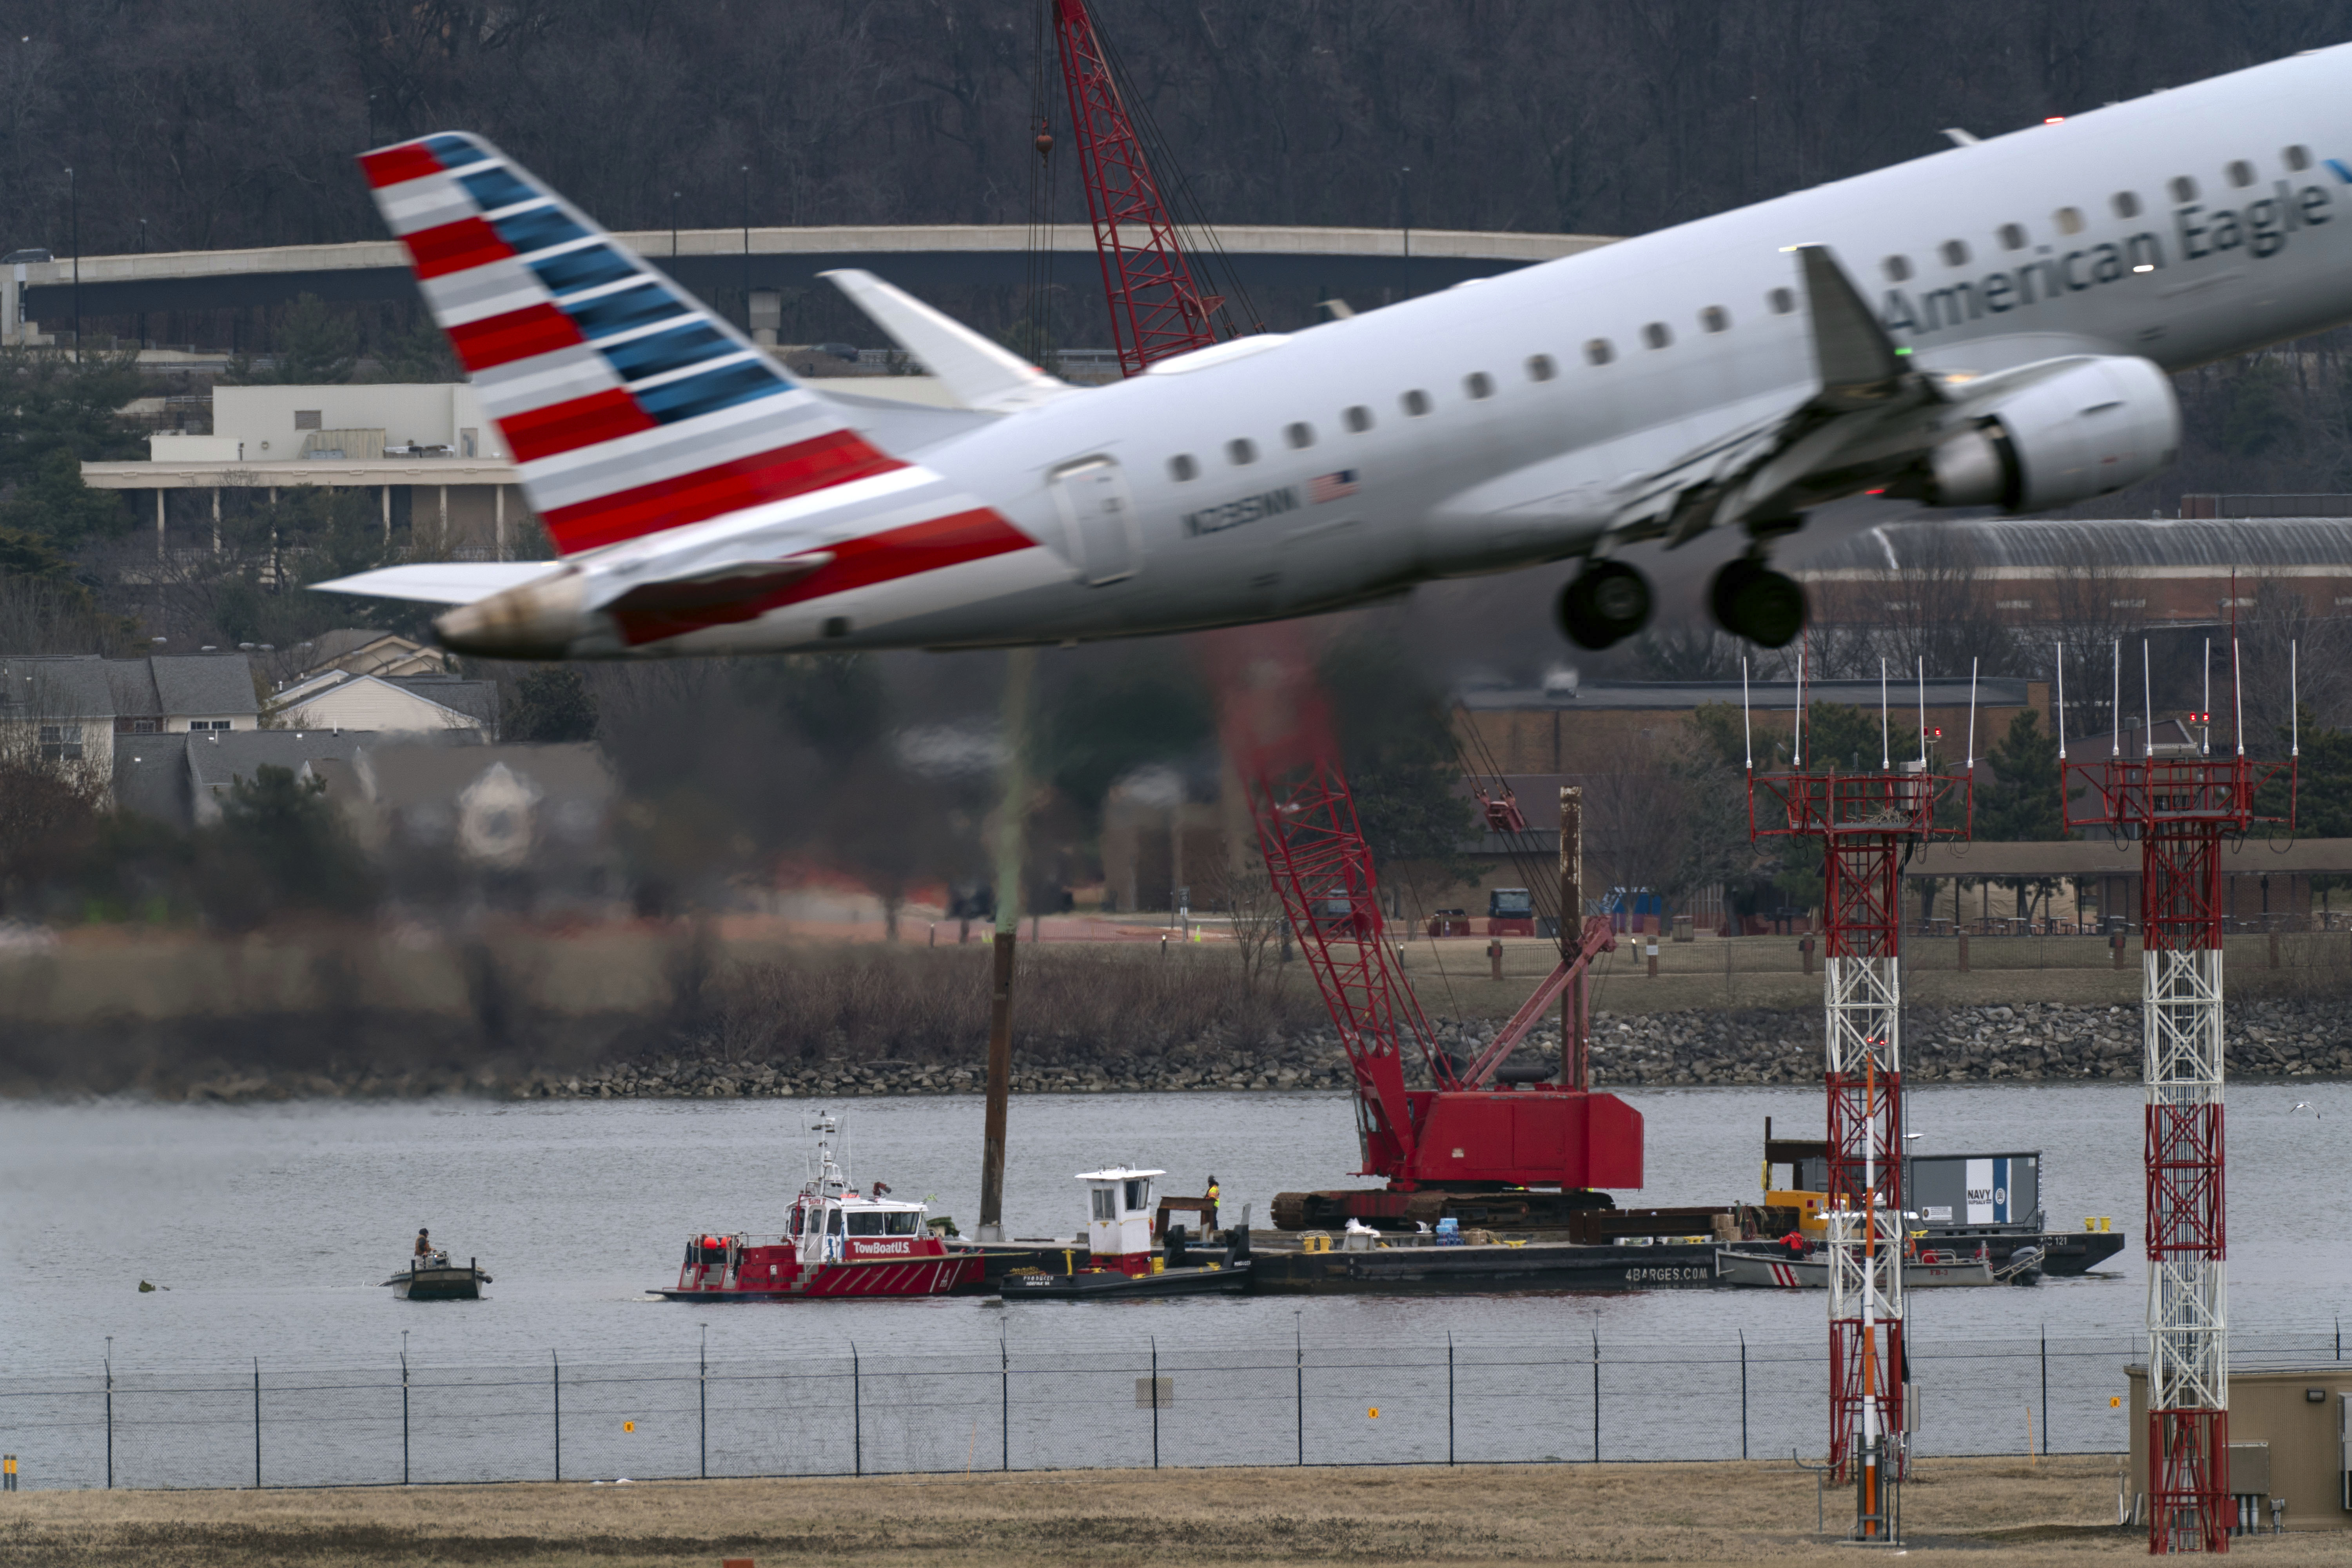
[(2179, 801), (1867, 823)]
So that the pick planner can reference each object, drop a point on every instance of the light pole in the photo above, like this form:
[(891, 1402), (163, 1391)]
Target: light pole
[(142, 250), (673, 226), (747, 247), (73, 236), (1404, 206)]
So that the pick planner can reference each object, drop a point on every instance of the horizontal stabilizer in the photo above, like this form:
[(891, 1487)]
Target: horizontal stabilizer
[(441, 582), (981, 374)]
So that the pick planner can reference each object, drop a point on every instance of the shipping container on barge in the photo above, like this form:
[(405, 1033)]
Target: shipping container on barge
[(837, 1242)]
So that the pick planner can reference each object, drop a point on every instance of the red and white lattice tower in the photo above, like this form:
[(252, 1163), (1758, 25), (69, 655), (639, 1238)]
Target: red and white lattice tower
[(2180, 801), (1865, 823)]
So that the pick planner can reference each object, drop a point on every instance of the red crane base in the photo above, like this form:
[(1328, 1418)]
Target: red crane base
[(2189, 1480)]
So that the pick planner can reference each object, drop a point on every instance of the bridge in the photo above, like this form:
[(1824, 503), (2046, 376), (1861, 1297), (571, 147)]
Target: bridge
[(1371, 264)]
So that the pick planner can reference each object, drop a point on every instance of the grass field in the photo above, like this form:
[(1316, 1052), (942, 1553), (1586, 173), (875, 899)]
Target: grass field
[(2059, 1510)]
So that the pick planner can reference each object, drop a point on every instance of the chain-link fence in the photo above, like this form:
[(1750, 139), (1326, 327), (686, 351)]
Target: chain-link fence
[(1132, 1402)]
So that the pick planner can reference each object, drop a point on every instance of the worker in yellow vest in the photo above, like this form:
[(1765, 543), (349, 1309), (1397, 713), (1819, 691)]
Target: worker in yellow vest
[(1213, 1202)]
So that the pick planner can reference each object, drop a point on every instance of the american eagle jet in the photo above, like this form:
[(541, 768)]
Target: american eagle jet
[(1992, 326)]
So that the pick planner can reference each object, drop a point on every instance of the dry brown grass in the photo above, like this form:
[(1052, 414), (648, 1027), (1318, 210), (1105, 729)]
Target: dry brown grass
[(2061, 1511)]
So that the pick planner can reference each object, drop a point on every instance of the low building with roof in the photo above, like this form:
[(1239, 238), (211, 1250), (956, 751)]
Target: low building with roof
[(343, 699), (80, 708), (361, 650)]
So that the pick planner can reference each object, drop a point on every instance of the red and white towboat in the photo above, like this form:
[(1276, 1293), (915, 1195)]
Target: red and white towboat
[(837, 1242)]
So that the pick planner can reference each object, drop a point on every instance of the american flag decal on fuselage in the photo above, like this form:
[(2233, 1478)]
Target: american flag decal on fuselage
[(629, 407), (1332, 487)]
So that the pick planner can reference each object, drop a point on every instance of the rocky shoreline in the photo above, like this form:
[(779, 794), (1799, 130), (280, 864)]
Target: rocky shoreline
[(2268, 1038)]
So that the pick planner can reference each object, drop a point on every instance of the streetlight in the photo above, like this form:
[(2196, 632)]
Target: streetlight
[(747, 247), (673, 226), (73, 231), (142, 250), (1404, 204)]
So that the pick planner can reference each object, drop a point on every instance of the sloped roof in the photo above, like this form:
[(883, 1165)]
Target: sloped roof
[(405, 776), (217, 759), (151, 776), (475, 699), (88, 687)]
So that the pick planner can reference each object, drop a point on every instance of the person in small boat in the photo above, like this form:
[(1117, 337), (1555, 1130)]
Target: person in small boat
[(424, 1244)]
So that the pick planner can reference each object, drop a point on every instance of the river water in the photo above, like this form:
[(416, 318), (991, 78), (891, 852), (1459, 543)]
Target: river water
[(267, 1228)]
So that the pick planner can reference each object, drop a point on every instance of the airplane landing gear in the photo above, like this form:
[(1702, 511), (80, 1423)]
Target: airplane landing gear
[(1604, 603), (1751, 600)]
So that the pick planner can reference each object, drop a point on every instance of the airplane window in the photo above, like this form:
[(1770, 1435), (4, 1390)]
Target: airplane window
[(2241, 173), (1478, 384), (1898, 268), (1782, 300), (1299, 435), (2012, 237), (2184, 189), (2298, 158), (1359, 418), (1541, 368), (1714, 319), (1955, 252), (1656, 335), (1182, 467), (1415, 403), (2069, 220), (1599, 352), (1242, 453), (2126, 205)]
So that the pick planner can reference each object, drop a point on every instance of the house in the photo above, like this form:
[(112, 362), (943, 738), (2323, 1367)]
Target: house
[(519, 826), (358, 650), (338, 698), (81, 708)]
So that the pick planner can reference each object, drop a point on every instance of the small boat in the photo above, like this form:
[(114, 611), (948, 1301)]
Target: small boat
[(836, 1242), (1122, 1262), (1778, 1270), (435, 1279)]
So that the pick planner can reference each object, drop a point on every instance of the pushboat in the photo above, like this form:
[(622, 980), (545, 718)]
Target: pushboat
[(1122, 1262), (435, 1278), (837, 1242)]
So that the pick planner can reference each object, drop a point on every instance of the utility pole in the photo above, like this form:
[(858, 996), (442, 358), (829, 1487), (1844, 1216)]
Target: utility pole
[(1020, 675), (1575, 1062)]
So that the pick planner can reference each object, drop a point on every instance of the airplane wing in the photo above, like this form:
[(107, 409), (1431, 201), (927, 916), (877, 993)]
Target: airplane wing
[(981, 374), (441, 582)]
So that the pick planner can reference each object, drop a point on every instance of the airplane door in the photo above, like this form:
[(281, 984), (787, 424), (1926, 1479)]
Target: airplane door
[(1100, 518)]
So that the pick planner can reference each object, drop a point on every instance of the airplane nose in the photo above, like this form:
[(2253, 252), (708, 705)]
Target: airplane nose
[(532, 620)]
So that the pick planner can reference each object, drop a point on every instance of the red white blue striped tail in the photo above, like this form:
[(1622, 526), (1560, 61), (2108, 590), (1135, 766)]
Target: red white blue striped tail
[(630, 407)]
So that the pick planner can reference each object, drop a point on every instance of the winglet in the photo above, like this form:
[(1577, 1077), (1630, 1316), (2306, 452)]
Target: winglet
[(980, 372), (1858, 362)]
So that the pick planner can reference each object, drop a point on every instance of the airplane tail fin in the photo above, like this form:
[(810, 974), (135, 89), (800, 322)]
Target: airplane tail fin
[(629, 407)]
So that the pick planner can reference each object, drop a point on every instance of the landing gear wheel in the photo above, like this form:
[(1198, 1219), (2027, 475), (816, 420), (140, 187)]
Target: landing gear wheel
[(1606, 603), (1751, 600)]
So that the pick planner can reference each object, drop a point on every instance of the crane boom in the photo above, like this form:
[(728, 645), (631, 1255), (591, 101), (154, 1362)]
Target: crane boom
[(1157, 310)]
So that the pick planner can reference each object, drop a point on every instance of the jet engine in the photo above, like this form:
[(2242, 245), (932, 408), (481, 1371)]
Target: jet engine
[(2086, 431)]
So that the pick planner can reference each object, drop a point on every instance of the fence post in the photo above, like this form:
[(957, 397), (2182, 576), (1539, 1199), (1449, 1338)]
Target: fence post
[(1743, 1394), (703, 1395), (2045, 1388), (1299, 1354), (404, 1418), (857, 1413), (109, 1416), (1596, 1395), (555, 1380), (257, 1422), (1155, 1401), (1005, 1379), (1450, 1397)]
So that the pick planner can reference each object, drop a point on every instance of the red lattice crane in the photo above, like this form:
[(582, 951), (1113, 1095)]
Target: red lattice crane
[(1156, 310), (1515, 1154)]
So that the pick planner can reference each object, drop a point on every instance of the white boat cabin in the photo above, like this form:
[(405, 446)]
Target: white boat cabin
[(1120, 1201), (830, 1219)]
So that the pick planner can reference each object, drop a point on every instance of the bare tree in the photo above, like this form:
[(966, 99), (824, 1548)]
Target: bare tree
[(1243, 889)]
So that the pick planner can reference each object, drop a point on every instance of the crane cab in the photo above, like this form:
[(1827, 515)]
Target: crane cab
[(1119, 1218)]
